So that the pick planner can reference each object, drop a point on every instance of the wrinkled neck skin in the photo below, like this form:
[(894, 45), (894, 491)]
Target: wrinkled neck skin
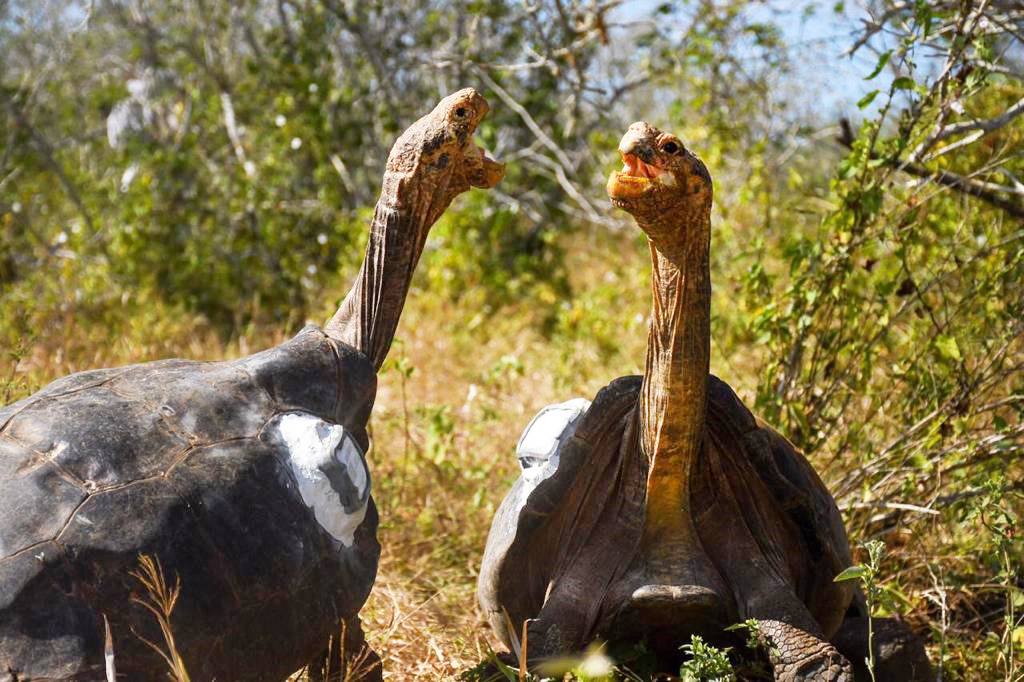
[(405, 212), (674, 395)]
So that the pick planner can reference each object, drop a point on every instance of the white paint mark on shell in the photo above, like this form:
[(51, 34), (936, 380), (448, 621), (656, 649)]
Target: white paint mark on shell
[(329, 469), (544, 436)]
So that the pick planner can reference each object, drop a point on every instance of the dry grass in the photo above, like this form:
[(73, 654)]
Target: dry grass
[(160, 599), (437, 497), (444, 458)]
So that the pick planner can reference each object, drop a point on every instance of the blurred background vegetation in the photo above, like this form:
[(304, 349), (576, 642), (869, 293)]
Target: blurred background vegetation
[(195, 178)]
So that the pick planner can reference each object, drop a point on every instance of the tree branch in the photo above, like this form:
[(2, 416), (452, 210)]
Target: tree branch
[(986, 126), (988, 192)]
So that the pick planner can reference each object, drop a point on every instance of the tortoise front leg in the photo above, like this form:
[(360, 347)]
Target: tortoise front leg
[(798, 655)]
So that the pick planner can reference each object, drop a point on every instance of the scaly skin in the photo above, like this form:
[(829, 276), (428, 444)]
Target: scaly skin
[(798, 655), (433, 162)]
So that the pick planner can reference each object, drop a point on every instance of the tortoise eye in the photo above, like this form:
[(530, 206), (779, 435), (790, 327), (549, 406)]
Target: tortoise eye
[(461, 112), (670, 148)]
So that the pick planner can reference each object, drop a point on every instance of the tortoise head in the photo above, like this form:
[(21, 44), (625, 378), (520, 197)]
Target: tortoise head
[(436, 159), (663, 185)]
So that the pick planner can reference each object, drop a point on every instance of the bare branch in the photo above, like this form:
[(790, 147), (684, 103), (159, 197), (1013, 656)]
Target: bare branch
[(538, 132), (232, 129), (985, 126)]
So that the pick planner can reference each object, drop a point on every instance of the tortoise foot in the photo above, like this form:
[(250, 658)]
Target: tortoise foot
[(825, 666), (800, 656)]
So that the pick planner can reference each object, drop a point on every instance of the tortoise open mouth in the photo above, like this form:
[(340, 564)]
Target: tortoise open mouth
[(636, 178), (482, 170)]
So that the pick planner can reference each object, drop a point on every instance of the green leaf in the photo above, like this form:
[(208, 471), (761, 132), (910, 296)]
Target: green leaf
[(851, 573), (867, 99), (948, 347), (903, 83), (883, 59)]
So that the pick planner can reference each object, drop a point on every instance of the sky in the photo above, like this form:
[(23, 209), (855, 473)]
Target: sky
[(820, 36)]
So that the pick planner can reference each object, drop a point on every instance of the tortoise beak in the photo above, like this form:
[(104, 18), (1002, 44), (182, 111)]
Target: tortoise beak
[(487, 172), (482, 171)]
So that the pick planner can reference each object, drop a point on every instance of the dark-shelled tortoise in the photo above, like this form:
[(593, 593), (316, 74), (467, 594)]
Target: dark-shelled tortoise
[(244, 479)]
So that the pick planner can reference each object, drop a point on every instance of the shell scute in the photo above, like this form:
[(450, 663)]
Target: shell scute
[(26, 521), (97, 436), (80, 381), (300, 374), (202, 402)]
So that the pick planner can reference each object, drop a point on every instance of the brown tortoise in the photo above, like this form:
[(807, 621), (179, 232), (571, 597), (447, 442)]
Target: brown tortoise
[(664, 508), (246, 479)]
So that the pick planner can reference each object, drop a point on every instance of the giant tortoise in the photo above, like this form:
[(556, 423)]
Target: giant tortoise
[(245, 479), (664, 508)]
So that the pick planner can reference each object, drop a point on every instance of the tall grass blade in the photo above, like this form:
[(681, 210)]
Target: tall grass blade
[(160, 601), (108, 651)]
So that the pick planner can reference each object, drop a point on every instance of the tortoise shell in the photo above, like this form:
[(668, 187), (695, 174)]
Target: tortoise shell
[(567, 530), (245, 479)]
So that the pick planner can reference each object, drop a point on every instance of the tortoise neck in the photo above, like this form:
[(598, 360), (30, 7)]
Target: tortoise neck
[(368, 317), (674, 394)]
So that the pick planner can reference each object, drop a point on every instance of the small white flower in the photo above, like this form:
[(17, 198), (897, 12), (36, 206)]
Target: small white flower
[(321, 239), (62, 238), (16, 207), (311, 269), (313, 87), (296, 143), (596, 664), (280, 121)]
